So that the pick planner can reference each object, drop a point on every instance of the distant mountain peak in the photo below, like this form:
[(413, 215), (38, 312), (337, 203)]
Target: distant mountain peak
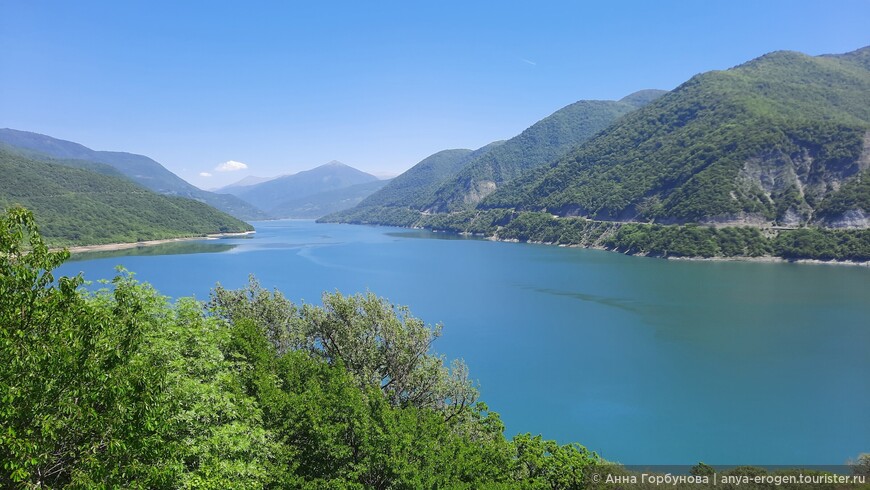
[(275, 193)]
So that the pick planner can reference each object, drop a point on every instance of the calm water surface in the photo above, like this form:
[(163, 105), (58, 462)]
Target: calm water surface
[(645, 361)]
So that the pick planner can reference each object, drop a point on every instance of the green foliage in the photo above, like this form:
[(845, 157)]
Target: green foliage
[(545, 464), (862, 465), (854, 195), (382, 346), (822, 244), (81, 405), (215, 427), (79, 207)]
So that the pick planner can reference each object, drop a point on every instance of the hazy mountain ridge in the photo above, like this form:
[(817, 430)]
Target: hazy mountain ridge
[(244, 182), (277, 196), (327, 202), (137, 168), (76, 206)]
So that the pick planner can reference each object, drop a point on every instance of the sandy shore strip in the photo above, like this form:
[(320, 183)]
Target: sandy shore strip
[(147, 243)]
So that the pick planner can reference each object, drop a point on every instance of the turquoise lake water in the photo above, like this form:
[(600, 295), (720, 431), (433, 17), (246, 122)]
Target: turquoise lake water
[(645, 361)]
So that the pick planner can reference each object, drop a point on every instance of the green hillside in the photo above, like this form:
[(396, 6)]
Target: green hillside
[(100, 168), (137, 168), (453, 180), (767, 142), (540, 144), (413, 189), (74, 206)]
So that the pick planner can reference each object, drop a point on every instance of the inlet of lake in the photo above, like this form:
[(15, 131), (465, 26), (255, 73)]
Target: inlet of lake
[(645, 361)]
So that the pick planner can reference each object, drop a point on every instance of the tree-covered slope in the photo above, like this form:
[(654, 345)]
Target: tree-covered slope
[(540, 144), (75, 206), (137, 168), (416, 184), (768, 141), (100, 168), (416, 187), (272, 194)]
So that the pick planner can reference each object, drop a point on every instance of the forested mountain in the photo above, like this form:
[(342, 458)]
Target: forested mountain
[(540, 144), (277, 195), (782, 139), (457, 179), (408, 193), (137, 168), (76, 206)]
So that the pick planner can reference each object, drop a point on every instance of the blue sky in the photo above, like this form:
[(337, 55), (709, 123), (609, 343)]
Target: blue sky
[(379, 85)]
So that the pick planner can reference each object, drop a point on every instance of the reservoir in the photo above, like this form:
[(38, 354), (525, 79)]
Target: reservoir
[(645, 361)]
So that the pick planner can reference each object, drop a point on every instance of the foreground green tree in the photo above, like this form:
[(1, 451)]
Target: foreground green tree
[(381, 345), (356, 399), (80, 404), (114, 388)]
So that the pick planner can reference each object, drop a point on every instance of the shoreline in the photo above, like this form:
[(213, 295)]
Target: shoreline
[(770, 259), (742, 258), (147, 243)]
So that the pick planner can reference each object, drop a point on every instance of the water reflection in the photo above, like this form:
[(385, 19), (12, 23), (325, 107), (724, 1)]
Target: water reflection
[(173, 248), (441, 235)]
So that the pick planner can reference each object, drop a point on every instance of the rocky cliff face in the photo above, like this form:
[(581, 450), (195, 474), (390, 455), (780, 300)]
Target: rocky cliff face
[(852, 218), (795, 183)]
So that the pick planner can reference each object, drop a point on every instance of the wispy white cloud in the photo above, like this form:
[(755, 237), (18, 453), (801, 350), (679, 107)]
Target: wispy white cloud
[(231, 166), (204, 174), (528, 61)]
